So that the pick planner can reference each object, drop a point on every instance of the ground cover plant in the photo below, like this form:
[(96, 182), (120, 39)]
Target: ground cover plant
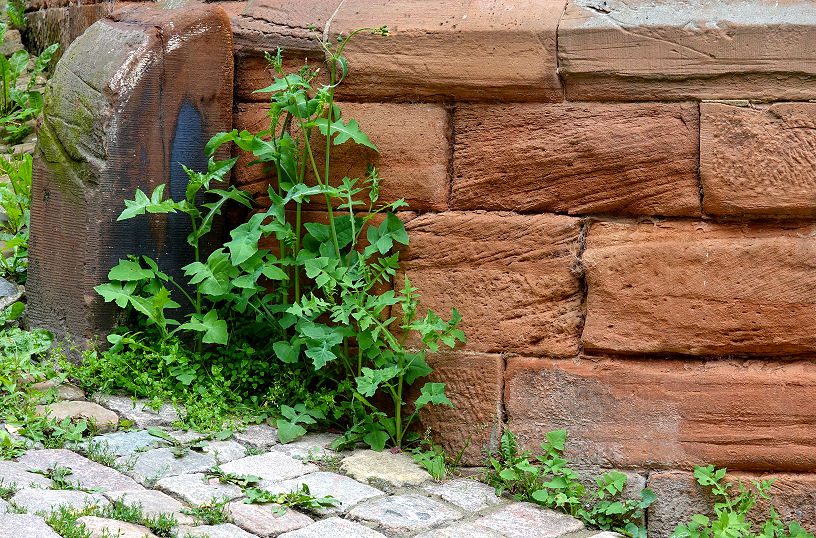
[(310, 302)]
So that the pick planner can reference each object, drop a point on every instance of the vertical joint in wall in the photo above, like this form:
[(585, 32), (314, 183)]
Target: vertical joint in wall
[(451, 134), (578, 270), (557, 55), (699, 157)]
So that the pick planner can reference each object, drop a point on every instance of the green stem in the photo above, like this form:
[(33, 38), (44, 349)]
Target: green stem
[(297, 250)]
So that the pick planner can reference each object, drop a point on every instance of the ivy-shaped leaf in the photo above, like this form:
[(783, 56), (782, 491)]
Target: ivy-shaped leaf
[(432, 393)]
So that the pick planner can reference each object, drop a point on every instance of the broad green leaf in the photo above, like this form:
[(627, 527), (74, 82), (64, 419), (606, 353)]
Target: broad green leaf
[(289, 431), (369, 382), (432, 393), (214, 329), (344, 132), (129, 270), (282, 84), (142, 203), (286, 352), (245, 238), (557, 439), (117, 292), (376, 439)]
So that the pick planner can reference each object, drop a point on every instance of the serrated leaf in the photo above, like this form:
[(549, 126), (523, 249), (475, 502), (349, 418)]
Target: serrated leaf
[(214, 329), (289, 431), (432, 393), (344, 132), (129, 270)]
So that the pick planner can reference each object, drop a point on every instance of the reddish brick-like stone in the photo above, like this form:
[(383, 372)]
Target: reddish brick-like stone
[(652, 414), (511, 276), (700, 288), (713, 49), (577, 158), (473, 384), (417, 172), (758, 160), (465, 49)]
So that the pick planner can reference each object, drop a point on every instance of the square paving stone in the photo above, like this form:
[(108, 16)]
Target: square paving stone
[(16, 473), (127, 443), (4, 506), (271, 467), (25, 526), (225, 451), (396, 469), (195, 489), (137, 411), (46, 500), (403, 513), (259, 519), (527, 520), (84, 472), (346, 490), (225, 530), (258, 436), (468, 494), (153, 503), (334, 527), (460, 530), (100, 527), (314, 445), (160, 462)]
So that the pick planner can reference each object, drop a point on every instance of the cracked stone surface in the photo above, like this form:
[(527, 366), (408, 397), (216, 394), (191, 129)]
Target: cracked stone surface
[(334, 527), (195, 489), (260, 520), (258, 436), (84, 472), (469, 495), (346, 490), (160, 462), (403, 513), (271, 467), (396, 469), (42, 500)]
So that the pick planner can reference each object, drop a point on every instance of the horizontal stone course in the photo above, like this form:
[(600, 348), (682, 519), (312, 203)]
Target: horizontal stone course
[(667, 414), (511, 277), (700, 288), (758, 160), (617, 50), (577, 158)]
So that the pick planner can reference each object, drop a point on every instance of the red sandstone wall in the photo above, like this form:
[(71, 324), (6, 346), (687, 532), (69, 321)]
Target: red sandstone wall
[(620, 200)]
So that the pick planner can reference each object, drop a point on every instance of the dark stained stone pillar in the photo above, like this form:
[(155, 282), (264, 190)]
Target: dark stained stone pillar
[(136, 95)]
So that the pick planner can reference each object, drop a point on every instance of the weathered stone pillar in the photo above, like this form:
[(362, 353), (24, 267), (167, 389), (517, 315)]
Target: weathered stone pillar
[(136, 95)]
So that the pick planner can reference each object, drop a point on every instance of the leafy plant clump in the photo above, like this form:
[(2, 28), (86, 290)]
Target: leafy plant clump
[(552, 484), (15, 201), (319, 292), (64, 519), (732, 510)]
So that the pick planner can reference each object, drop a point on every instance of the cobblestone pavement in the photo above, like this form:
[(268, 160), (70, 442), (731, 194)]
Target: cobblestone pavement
[(380, 494)]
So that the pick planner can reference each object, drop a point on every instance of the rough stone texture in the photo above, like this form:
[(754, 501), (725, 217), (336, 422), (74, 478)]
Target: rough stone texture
[(346, 490), (333, 527), (523, 520), (270, 467), (473, 384), (196, 489), (224, 530), (509, 275), (160, 462), (26, 526), (460, 530), (111, 131), (396, 469), (577, 158), (618, 50), (311, 445), (793, 496), (126, 443), (4, 507), (65, 391), (670, 414), (60, 25), (225, 451), (102, 528), (259, 519), (84, 472), (153, 503), (104, 419), (138, 412), (258, 436), (450, 50), (265, 25), (41, 500), (16, 473), (699, 288), (403, 513), (469, 495), (758, 160), (416, 172)]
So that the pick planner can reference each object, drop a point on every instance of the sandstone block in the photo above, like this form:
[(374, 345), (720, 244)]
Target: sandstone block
[(417, 172), (699, 288), (509, 275), (577, 158), (112, 124), (667, 414), (758, 160), (396, 469), (104, 419), (617, 50), (60, 25), (463, 50), (473, 384)]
